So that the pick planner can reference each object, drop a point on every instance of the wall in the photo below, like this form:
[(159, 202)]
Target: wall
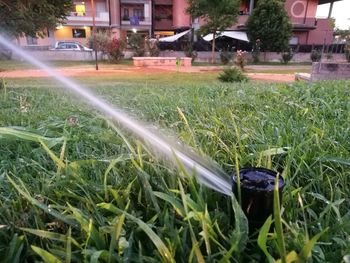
[(322, 34), (300, 9), (49, 55), (65, 33), (269, 56), (330, 71)]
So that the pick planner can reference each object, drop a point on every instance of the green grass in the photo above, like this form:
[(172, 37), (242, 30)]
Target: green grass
[(7, 65), (73, 188)]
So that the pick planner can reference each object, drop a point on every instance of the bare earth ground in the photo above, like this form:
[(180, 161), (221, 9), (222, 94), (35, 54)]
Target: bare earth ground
[(81, 72)]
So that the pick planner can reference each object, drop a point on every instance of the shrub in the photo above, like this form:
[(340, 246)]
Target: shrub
[(137, 44), (153, 47), (115, 50), (329, 55), (256, 51), (315, 55), (102, 42), (189, 51), (232, 74), (287, 56), (226, 57), (240, 60)]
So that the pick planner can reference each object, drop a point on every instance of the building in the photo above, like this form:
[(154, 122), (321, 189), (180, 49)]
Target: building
[(168, 17)]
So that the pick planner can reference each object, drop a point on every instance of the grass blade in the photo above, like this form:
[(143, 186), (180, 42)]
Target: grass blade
[(161, 247), (173, 201), (47, 257), (278, 222), (262, 239), (24, 192), (8, 132)]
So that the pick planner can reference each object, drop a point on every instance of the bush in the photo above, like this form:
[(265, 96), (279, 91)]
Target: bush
[(137, 44), (240, 60), (287, 56), (256, 51), (153, 47), (315, 55), (115, 50), (226, 57), (102, 41), (232, 75), (189, 51)]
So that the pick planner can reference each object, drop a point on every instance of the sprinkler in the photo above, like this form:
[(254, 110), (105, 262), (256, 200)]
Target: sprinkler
[(257, 188)]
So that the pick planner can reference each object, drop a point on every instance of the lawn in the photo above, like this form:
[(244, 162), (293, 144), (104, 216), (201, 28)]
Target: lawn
[(76, 187)]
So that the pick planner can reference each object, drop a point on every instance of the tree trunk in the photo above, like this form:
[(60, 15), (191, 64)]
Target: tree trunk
[(213, 49)]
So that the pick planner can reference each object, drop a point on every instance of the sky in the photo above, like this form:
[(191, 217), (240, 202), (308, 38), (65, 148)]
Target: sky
[(341, 13)]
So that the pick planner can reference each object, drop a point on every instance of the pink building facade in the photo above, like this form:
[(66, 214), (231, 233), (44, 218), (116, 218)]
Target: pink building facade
[(167, 17)]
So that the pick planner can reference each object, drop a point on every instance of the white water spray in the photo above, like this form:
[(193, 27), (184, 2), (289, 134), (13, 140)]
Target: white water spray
[(212, 178)]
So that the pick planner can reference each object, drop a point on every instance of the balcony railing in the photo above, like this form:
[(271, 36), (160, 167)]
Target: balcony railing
[(87, 16), (136, 21), (307, 21)]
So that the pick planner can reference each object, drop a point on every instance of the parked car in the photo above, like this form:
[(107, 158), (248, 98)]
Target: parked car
[(70, 45)]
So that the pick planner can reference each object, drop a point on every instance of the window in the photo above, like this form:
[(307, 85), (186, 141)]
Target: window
[(79, 33), (80, 10), (138, 13), (125, 14), (32, 40)]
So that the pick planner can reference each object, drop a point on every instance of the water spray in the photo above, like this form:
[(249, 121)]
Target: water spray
[(214, 179)]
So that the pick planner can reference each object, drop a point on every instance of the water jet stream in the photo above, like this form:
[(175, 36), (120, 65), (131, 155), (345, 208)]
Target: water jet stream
[(212, 178)]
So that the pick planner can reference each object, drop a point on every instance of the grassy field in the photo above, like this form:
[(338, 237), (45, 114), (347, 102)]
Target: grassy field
[(75, 187)]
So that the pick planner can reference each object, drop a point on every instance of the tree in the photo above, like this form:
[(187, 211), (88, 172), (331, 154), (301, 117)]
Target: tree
[(217, 14), (31, 16), (269, 23)]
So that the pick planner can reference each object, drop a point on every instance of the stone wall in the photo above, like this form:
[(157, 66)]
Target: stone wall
[(51, 55), (204, 56), (330, 71), (161, 61)]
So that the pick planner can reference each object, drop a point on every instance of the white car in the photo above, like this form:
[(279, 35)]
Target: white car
[(70, 45)]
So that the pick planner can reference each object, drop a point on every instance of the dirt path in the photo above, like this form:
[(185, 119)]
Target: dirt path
[(81, 72)]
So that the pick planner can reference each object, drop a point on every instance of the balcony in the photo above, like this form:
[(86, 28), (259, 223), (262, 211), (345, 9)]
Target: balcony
[(163, 2), (136, 14), (303, 24), (85, 18)]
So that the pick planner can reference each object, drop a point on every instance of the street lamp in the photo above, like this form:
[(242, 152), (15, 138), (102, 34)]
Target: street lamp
[(94, 31)]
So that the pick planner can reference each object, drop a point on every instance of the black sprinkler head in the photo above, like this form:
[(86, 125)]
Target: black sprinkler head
[(257, 187)]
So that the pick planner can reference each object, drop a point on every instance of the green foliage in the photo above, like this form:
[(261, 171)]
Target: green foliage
[(32, 17), (112, 47), (315, 55), (115, 50), (217, 14), (102, 39), (137, 44), (269, 23), (256, 51), (240, 59), (232, 74), (153, 47), (189, 50), (287, 56), (226, 57)]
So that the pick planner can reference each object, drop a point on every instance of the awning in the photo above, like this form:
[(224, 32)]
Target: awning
[(232, 34), (174, 37)]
